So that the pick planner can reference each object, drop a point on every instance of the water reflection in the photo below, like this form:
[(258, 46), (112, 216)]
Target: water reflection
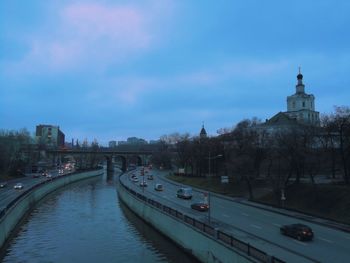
[(85, 222), (154, 240)]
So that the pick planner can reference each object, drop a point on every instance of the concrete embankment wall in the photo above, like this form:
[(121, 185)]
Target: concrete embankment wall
[(15, 211), (203, 246)]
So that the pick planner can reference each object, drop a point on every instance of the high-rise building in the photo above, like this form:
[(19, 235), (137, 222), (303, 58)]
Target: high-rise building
[(112, 144)]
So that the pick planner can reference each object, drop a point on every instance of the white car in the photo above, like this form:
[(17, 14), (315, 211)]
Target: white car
[(135, 179), (158, 187), (18, 186), (143, 184)]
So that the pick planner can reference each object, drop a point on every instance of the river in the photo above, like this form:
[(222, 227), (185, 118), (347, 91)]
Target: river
[(86, 222)]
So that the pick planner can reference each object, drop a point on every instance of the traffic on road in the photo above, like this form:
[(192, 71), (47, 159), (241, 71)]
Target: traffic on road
[(286, 237), (11, 189)]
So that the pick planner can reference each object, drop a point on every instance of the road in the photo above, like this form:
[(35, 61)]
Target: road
[(256, 226), (8, 193)]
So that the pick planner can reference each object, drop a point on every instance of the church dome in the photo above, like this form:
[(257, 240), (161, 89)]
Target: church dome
[(203, 133)]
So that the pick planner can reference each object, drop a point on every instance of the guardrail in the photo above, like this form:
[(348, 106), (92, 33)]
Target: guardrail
[(207, 229), (14, 201)]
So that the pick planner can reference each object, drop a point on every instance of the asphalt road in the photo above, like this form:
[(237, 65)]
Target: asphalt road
[(8, 193), (256, 226)]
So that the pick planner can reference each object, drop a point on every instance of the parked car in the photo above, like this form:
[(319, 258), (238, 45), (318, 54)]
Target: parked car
[(298, 231), (185, 193), (18, 186), (3, 184), (143, 183), (200, 206), (158, 187)]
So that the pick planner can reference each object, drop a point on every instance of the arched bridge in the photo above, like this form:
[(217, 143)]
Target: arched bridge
[(90, 158)]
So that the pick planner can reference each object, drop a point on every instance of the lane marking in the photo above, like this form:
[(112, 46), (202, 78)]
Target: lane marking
[(266, 215), (244, 214), (326, 240), (258, 227), (225, 215), (298, 242), (278, 225)]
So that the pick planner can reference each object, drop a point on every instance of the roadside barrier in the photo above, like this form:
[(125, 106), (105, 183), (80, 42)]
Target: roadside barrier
[(27, 190), (207, 229)]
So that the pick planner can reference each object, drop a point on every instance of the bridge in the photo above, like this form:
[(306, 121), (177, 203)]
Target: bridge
[(87, 158)]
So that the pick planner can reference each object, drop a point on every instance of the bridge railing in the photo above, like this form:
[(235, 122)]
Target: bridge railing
[(221, 236)]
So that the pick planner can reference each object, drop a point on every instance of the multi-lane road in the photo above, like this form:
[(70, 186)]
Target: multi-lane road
[(259, 227), (8, 193)]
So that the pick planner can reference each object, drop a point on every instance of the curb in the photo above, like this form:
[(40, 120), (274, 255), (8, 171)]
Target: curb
[(286, 212)]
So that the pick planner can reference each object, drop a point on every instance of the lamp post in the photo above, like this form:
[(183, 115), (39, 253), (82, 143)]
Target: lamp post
[(212, 158), (209, 159)]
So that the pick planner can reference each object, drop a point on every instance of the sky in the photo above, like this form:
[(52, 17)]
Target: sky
[(109, 70)]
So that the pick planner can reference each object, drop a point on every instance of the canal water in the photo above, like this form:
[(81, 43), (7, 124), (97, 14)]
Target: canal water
[(86, 222)]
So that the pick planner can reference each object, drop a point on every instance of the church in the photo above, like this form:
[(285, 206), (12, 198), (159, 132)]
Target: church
[(300, 109)]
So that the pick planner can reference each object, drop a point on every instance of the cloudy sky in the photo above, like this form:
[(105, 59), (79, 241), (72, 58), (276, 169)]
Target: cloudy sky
[(115, 69)]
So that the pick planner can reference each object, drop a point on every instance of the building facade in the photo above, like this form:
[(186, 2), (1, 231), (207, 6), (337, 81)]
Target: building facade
[(49, 135), (112, 144), (301, 106), (300, 110)]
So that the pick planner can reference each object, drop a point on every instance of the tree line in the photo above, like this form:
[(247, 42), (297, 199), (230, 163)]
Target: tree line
[(282, 157)]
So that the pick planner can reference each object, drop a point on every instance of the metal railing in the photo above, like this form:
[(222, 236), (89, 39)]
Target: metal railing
[(207, 229)]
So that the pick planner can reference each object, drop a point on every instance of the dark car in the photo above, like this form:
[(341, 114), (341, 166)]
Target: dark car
[(298, 231), (185, 193), (150, 177), (200, 207)]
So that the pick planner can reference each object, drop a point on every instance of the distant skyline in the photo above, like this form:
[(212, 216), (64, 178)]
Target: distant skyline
[(109, 70)]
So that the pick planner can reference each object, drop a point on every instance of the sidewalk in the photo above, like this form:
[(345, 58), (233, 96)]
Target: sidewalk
[(286, 212)]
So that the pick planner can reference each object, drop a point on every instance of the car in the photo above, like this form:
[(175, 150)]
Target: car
[(150, 177), (18, 186), (184, 193), (3, 184), (200, 206), (134, 179), (143, 183), (158, 187), (298, 231), (36, 175), (49, 175)]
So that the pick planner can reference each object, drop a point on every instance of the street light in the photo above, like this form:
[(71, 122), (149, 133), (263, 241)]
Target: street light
[(212, 158), (209, 159)]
